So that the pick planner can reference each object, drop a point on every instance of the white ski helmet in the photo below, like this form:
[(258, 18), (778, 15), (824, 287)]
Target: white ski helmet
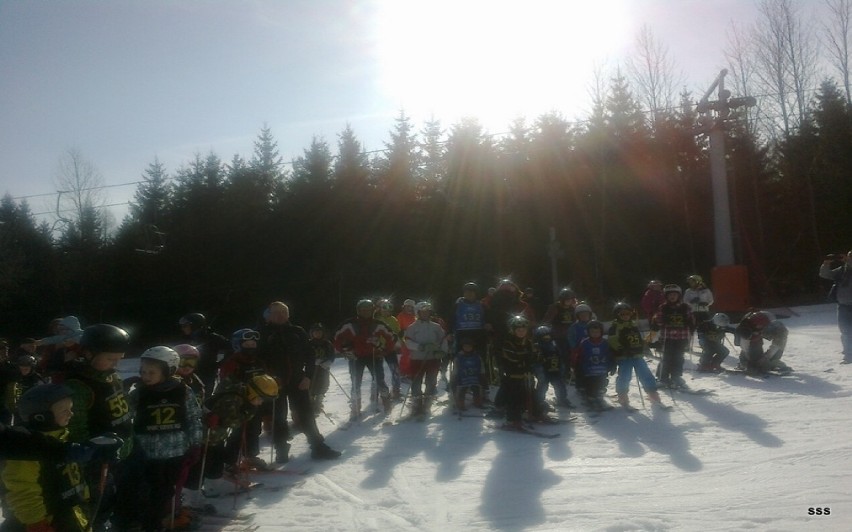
[(721, 320), (166, 355), (423, 305), (582, 307)]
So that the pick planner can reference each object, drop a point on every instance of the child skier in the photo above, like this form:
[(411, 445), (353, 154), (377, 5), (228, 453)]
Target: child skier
[(384, 313), (752, 330), (469, 373), (628, 349), (576, 333), (323, 352), (189, 356), (427, 343), (102, 406), (594, 361), (227, 411), (549, 369), (674, 322), (167, 427), (47, 494), (517, 354), (711, 336)]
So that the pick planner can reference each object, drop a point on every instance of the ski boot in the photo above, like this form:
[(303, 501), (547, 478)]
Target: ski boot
[(386, 404), (654, 397), (624, 400), (282, 453), (321, 451)]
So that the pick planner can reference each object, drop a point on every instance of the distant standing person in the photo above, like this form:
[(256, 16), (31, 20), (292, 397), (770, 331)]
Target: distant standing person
[(699, 298), (652, 299), (209, 344), (841, 293)]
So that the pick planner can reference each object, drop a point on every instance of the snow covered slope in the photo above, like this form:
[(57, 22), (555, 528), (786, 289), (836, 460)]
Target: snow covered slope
[(759, 454)]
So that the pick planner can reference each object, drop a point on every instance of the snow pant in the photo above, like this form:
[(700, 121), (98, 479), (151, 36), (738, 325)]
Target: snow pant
[(425, 371), (754, 359), (392, 360), (712, 353), (356, 374), (564, 356), (460, 394), (671, 366), (844, 322), (593, 386), (319, 387), (516, 395), (160, 477), (545, 379), (626, 367), (300, 402)]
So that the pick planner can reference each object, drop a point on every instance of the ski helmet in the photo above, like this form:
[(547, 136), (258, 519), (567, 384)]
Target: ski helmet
[(26, 360), (318, 326), (696, 280), (186, 351), (759, 319), (655, 282), (167, 356), (423, 305), (34, 405), (721, 320), (669, 288), (620, 307), (470, 286), (566, 293), (104, 338), (386, 305), (195, 320), (262, 386), (364, 303), (408, 303), (582, 307), (518, 322), (595, 324), (243, 335), (542, 331)]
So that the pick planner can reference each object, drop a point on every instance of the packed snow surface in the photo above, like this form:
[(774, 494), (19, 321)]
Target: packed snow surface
[(758, 454)]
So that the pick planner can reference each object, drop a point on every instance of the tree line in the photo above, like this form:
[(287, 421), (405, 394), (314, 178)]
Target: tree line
[(626, 190)]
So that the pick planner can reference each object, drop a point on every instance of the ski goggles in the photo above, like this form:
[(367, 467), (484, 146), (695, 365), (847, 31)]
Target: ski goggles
[(250, 335), (189, 363)]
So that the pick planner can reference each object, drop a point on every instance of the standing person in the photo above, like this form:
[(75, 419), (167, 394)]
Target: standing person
[(468, 374), (468, 320), (323, 352), (167, 429), (517, 354), (699, 298), (652, 299), (384, 313), (560, 315), (549, 370), (576, 334), (210, 345), (405, 318), (628, 349), (365, 341), (427, 343), (594, 361), (841, 293), (102, 406), (675, 325), (186, 370), (284, 348)]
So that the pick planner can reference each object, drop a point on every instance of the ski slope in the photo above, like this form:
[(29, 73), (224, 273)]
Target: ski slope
[(759, 454)]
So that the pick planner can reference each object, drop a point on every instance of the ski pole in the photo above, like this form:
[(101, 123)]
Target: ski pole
[(102, 481), (340, 386), (272, 433), (641, 391)]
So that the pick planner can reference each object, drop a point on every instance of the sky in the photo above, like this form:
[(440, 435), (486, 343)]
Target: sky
[(128, 82)]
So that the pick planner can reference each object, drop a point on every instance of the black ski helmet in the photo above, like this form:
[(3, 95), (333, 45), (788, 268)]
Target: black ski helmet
[(195, 320), (34, 405), (104, 338)]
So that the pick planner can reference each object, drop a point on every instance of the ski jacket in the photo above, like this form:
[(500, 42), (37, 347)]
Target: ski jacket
[(167, 419), (576, 333), (674, 321), (232, 409), (322, 349), (699, 299), (364, 338), (47, 489), (468, 369), (560, 317), (651, 301), (468, 316), (625, 339), (842, 278), (284, 350), (594, 357), (100, 405), (548, 356), (517, 356), (241, 367), (425, 340), (711, 332)]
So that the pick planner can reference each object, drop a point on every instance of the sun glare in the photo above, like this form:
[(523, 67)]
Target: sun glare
[(495, 60)]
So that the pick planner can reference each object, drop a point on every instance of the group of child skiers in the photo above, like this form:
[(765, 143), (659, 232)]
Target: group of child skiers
[(87, 449)]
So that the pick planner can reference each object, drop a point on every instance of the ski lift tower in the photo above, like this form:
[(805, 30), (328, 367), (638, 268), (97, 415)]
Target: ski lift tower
[(729, 280)]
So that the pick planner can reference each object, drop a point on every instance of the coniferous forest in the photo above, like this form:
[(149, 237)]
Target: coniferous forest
[(628, 196)]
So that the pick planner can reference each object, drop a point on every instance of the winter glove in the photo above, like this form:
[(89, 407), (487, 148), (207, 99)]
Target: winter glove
[(211, 420), (106, 446), (41, 526)]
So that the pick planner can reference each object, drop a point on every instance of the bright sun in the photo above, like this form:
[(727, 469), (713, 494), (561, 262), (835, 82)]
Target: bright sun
[(496, 60)]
